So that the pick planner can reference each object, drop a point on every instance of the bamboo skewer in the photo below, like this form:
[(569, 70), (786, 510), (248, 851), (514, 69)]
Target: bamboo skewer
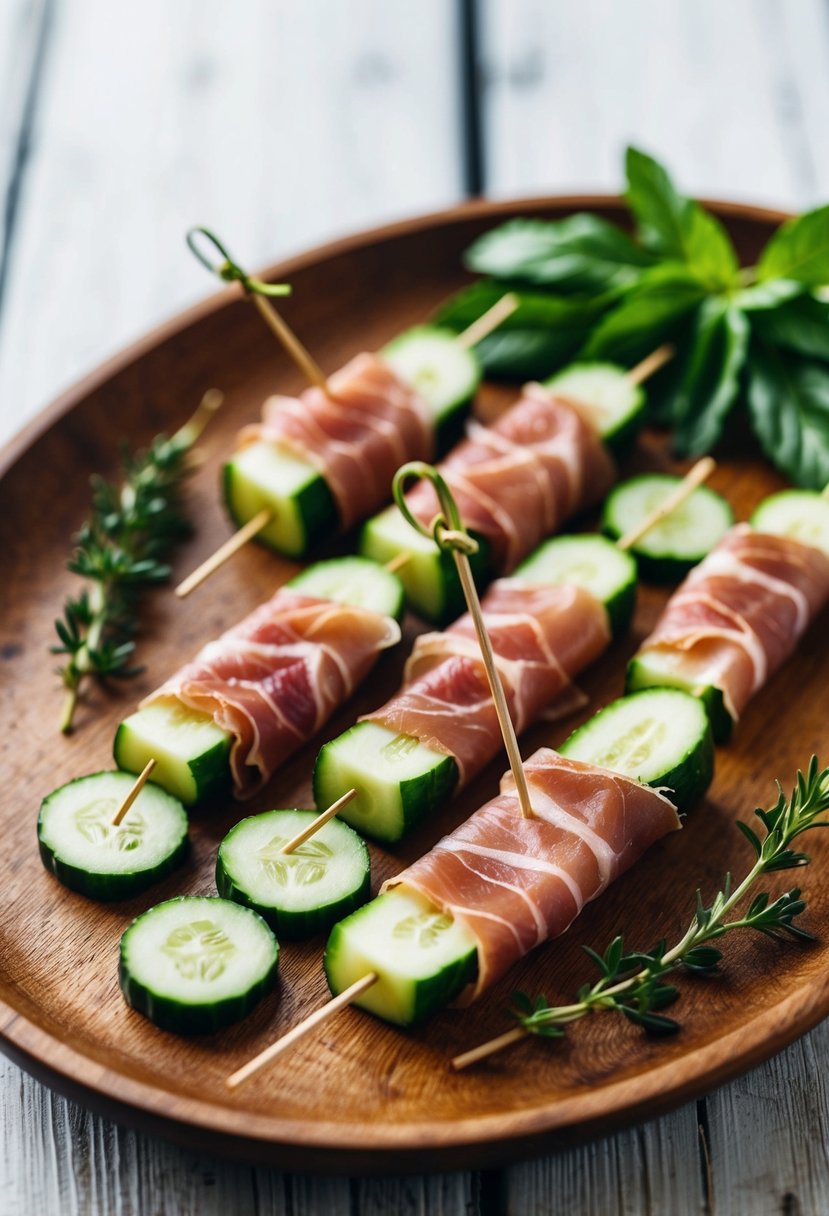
[(319, 822), (138, 786), (291, 343), (224, 553), (303, 1028), (488, 321), (466, 1058), (397, 562), (694, 478), (651, 364)]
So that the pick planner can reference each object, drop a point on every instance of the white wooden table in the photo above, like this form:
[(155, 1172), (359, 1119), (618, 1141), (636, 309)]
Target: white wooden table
[(281, 124)]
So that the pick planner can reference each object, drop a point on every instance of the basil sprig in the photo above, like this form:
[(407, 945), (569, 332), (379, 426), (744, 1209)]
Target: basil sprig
[(751, 339)]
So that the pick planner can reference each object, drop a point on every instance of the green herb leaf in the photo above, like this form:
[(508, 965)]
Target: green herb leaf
[(581, 253), (788, 399), (711, 379), (533, 342), (646, 316), (801, 325), (675, 226), (799, 250)]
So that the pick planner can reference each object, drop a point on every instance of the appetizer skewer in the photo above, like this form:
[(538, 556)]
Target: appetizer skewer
[(549, 456), (251, 698), (741, 613)]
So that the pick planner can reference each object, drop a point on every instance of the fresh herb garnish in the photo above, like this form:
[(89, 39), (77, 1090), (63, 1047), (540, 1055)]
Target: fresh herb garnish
[(119, 551), (633, 982), (756, 337)]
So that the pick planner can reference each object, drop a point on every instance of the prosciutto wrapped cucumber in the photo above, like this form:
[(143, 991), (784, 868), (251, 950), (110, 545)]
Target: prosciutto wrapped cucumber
[(741, 613), (227, 719), (515, 482), (453, 923), (549, 621), (321, 462)]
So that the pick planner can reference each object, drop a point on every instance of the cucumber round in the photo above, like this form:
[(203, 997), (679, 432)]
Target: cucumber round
[(300, 893), (661, 737), (591, 562), (191, 752), (678, 542), (303, 509), (614, 405), (422, 957), (445, 374), (399, 780), (801, 514), (80, 846), (197, 963), (664, 669), (356, 581), (429, 577)]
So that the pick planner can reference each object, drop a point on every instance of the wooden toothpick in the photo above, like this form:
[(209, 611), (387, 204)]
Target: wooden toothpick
[(488, 321), (695, 477), (299, 1031), (224, 553), (488, 1049), (229, 271), (651, 364), (319, 822), (448, 533), (397, 562), (137, 787)]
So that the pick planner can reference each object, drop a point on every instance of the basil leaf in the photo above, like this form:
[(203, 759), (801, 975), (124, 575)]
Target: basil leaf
[(799, 250), (534, 341), (581, 253), (760, 297), (711, 380), (788, 399), (675, 226), (647, 314), (801, 325)]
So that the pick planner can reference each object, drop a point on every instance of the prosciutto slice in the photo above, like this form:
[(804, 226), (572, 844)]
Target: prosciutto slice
[(541, 636), (740, 613), (518, 480), (516, 882), (356, 438), (276, 677)]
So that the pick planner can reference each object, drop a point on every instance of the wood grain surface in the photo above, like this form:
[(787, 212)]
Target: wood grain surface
[(362, 1096)]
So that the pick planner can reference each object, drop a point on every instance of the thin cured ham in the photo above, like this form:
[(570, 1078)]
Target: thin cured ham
[(275, 678), (357, 437), (541, 636), (514, 882), (740, 614), (518, 480)]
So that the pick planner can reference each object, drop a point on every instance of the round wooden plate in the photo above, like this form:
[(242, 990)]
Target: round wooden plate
[(359, 1096)]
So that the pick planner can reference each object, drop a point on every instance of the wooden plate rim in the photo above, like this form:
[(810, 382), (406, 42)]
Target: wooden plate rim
[(419, 1145)]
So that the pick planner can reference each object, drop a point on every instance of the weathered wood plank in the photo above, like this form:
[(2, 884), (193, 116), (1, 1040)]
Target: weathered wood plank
[(720, 91), (279, 124), (655, 1168)]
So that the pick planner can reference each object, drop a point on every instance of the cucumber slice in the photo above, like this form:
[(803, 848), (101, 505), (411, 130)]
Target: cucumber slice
[(297, 495), (422, 956), (356, 581), (801, 514), (591, 562), (303, 892), (429, 577), (79, 845), (661, 737), (191, 752), (445, 374), (399, 779), (666, 669), (671, 547), (615, 407), (197, 963)]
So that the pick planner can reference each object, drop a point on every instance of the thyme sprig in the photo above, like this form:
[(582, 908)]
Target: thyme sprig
[(633, 983), (121, 549)]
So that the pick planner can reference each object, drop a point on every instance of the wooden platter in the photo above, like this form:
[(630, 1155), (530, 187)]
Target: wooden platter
[(360, 1096)]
